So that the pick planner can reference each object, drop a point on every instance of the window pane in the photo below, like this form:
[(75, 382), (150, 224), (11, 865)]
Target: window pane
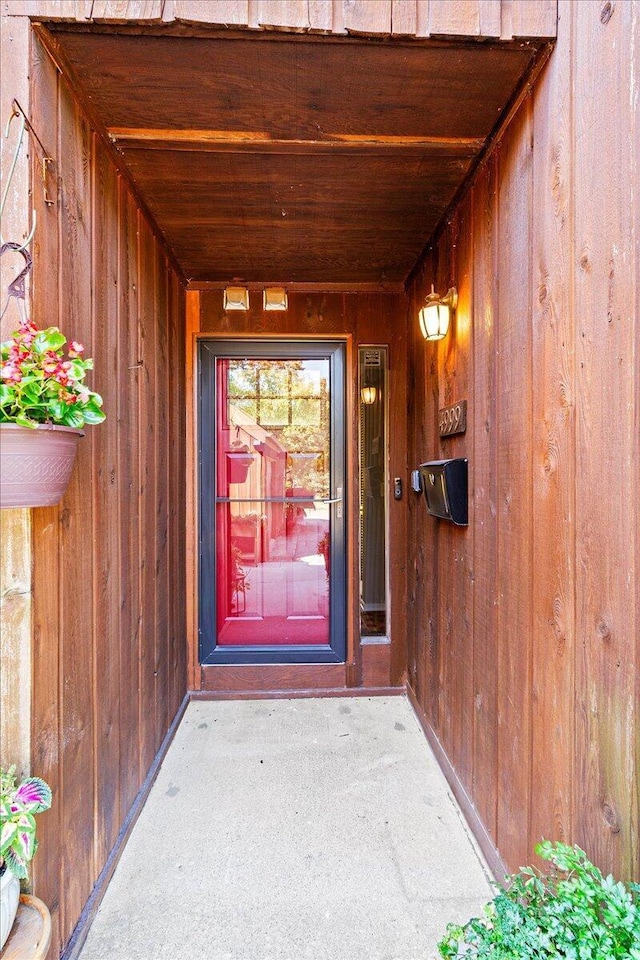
[(273, 413), (243, 378), (305, 413)]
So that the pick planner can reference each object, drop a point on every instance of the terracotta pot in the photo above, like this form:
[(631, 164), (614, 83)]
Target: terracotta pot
[(35, 464), (9, 897)]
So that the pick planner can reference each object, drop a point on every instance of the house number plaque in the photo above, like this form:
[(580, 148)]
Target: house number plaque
[(453, 419)]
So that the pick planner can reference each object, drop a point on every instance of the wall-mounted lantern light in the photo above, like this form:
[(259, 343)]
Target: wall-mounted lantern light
[(435, 315), (274, 298), (368, 395), (236, 298)]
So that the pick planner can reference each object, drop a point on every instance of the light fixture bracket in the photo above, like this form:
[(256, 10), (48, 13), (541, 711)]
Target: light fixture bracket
[(235, 298), (275, 298), (450, 299), (435, 315)]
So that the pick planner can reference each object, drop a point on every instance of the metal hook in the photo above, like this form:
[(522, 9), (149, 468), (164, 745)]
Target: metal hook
[(16, 111), (16, 289)]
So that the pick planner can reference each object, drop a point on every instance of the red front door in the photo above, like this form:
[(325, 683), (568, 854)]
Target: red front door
[(272, 513)]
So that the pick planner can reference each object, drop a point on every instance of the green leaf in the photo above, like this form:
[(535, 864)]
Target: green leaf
[(24, 844), (31, 393), (73, 417), (93, 415), (49, 339), (7, 835), (77, 370), (23, 421), (17, 866)]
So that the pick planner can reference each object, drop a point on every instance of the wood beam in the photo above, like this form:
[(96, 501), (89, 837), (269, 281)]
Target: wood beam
[(240, 141), (302, 287)]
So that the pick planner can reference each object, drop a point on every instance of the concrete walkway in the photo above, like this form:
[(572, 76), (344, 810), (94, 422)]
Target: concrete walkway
[(293, 830)]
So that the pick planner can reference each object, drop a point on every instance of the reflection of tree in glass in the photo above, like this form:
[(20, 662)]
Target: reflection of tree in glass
[(242, 378), (311, 473), (275, 377), (291, 402)]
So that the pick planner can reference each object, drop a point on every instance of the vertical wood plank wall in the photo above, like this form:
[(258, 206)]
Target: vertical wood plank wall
[(109, 655), (524, 635)]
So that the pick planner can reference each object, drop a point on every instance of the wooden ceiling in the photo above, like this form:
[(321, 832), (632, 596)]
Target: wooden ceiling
[(294, 159)]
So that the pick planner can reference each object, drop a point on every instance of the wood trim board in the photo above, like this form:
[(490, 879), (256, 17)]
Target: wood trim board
[(485, 842)]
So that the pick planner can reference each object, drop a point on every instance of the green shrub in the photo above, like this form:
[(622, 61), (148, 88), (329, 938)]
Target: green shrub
[(574, 913)]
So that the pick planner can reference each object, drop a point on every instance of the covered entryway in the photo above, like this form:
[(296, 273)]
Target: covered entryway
[(344, 155), (315, 169)]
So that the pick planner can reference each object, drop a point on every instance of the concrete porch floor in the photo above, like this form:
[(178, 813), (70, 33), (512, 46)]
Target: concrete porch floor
[(293, 830)]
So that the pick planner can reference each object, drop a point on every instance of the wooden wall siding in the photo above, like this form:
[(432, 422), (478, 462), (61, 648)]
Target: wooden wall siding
[(108, 564), (607, 276), (523, 630), (16, 609), (515, 560), (376, 318), (504, 19)]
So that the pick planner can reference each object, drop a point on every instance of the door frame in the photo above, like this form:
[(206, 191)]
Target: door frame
[(235, 679), (267, 347)]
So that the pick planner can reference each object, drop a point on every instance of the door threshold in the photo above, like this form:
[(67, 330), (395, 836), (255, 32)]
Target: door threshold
[(326, 692)]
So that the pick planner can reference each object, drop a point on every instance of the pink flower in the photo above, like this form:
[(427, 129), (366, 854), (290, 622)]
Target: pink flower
[(76, 349), (11, 373), (66, 397), (18, 353)]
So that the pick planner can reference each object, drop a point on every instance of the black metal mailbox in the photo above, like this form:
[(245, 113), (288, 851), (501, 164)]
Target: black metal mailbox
[(445, 484)]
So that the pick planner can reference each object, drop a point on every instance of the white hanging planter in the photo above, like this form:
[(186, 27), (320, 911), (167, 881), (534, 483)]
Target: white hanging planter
[(35, 464), (9, 898)]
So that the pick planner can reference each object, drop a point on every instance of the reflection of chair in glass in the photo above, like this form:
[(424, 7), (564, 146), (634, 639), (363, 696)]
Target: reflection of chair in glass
[(238, 582), (246, 537), (239, 591)]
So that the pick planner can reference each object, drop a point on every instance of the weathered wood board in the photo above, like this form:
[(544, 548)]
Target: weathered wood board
[(467, 18)]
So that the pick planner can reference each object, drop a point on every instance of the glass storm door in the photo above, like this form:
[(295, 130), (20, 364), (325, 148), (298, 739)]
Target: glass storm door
[(272, 518)]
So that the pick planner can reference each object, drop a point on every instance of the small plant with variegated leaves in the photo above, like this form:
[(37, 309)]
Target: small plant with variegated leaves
[(40, 382), (19, 802)]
